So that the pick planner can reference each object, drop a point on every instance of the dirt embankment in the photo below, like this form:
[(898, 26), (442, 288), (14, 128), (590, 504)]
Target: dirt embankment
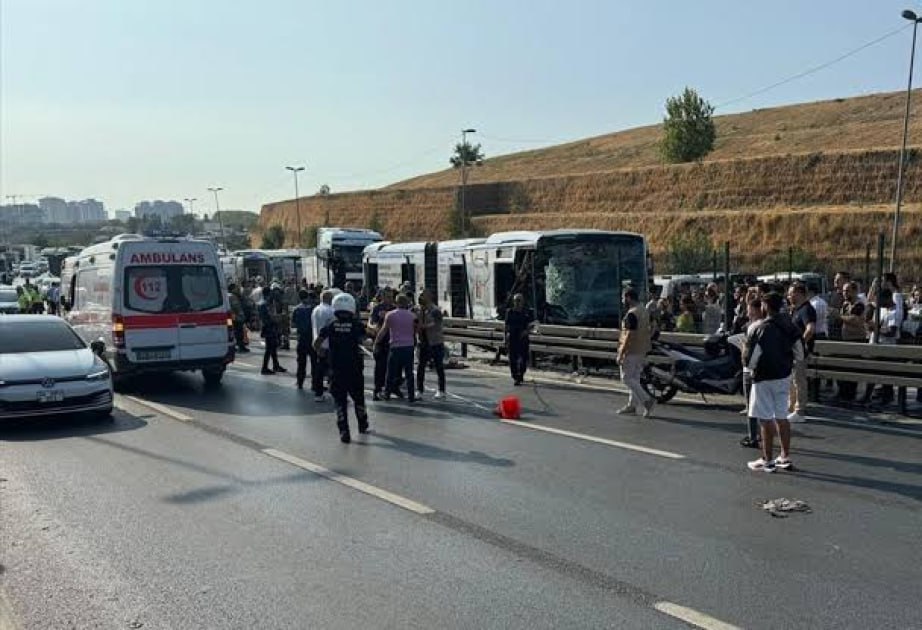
[(832, 205)]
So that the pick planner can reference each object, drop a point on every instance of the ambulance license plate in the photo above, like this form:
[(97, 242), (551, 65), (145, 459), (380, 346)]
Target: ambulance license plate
[(50, 396), (153, 355)]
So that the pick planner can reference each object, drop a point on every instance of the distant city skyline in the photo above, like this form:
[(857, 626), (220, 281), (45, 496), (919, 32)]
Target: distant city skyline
[(166, 99)]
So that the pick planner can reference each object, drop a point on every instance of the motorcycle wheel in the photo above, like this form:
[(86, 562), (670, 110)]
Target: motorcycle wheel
[(656, 388)]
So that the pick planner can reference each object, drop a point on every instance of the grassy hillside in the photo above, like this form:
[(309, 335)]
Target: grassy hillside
[(860, 123)]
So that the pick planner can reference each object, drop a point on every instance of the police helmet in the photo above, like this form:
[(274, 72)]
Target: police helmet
[(344, 302)]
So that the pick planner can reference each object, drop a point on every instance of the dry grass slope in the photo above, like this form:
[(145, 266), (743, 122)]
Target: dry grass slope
[(819, 175)]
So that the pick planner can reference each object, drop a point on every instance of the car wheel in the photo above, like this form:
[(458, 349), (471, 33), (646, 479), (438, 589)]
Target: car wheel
[(213, 377)]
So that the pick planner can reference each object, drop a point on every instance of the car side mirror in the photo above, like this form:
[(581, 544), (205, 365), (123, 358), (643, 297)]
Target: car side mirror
[(98, 347)]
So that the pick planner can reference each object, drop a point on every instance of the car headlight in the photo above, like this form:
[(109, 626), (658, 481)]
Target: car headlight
[(101, 375)]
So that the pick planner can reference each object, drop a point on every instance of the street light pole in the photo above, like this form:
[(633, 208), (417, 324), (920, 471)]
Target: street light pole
[(190, 201), (464, 218), (295, 170), (908, 15), (217, 212)]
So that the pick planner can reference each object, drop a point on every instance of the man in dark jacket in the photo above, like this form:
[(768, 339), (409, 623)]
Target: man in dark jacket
[(270, 333), (770, 354), (301, 320)]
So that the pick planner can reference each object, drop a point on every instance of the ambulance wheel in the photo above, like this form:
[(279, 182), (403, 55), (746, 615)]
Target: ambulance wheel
[(213, 377)]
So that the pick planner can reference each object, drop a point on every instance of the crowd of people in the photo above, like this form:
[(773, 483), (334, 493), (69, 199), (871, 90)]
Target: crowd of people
[(32, 300)]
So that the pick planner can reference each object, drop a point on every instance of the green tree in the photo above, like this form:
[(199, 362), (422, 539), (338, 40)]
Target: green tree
[(374, 223), (273, 238), (689, 252), (688, 129), (466, 154), (324, 190), (41, 241), (184, 224), (309, 237)]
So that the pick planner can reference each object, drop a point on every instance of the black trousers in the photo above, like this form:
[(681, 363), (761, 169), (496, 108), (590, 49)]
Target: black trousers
[(518, 359), (381, 353), (318, 371), (303, 350), (272, 352), (238, 335), (437, 354), (400, 362), (343, 387)]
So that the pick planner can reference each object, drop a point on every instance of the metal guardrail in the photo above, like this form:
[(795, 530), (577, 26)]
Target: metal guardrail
[(900, 366)]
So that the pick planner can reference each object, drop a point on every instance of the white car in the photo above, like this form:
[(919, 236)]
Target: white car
[(9, 301), (46, 369)]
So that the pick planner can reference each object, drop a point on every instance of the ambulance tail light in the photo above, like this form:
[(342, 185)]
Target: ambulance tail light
[(118, 331), (230, 329)]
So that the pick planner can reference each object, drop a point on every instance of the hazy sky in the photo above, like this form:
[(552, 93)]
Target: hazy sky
[(125, 100)]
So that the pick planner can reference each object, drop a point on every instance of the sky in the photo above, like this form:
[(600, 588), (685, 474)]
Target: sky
[(126, 100)]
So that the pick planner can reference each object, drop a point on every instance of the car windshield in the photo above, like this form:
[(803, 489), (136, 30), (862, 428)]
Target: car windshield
[(37, 336), (172, 289)]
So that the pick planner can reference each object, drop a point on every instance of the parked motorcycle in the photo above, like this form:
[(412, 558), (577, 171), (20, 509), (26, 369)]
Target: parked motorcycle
[(716, 369)]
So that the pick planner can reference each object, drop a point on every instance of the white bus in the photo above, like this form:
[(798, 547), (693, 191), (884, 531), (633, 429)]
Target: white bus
[(159, 304), (337, 259), (569, 277)]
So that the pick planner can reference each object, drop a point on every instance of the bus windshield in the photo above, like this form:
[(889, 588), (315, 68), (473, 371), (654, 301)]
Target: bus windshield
[(584, 276), (350, 256)]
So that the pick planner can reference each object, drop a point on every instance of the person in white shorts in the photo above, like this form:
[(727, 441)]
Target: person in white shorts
[(770, 356)]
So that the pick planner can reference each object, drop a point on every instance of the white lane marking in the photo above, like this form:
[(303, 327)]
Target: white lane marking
[(592, 438), (241, 364), (7, 621), (163, 409), (355, 484), (692, 616)]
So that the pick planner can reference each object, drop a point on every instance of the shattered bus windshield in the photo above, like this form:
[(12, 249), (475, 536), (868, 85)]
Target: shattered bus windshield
[(584, 277)]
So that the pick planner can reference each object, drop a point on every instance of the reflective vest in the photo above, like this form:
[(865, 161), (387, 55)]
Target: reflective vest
[(638, 342)]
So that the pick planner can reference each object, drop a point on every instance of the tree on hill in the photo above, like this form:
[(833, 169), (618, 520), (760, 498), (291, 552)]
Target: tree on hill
[(309, 237), (237, 218), (324, 190), (688, 129), (466, 154), (273, 238), (690, 251)]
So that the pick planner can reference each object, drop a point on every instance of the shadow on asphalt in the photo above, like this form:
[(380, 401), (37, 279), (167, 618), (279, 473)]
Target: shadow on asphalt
[(208, 493), (427, 451), (910, 491), (56, 428), (235, 396)]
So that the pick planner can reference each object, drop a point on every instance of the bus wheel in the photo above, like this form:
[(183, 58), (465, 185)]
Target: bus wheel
[(213, 377)]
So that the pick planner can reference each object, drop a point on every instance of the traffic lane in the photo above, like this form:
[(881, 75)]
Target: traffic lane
[(499, 478), (150, 521), (857, 457)]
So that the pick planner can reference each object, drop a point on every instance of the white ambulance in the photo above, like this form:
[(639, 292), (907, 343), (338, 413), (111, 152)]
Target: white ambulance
[(159, 304)]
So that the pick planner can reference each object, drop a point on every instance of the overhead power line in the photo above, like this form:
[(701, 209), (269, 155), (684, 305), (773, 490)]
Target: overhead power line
[(814, 69)]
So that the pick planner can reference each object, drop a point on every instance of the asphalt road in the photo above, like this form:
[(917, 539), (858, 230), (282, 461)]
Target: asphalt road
[(239, 508)]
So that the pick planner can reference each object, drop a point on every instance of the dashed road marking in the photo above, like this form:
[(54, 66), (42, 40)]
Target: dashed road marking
[(592, 438), (7, 620), (167, 411), (692, 616), (355, 484)]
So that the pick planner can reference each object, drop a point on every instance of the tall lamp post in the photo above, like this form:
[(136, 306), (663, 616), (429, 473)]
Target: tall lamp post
[(217, 211), (912, 17), (295, 170), (464, 218), (190, 201)]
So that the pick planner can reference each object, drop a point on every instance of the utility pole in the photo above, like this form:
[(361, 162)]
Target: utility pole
[(295, 170), (217, 208), (190, 201)]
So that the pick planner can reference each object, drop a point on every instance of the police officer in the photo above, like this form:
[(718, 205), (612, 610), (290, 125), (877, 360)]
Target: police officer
[(301, 319), (346, 335)]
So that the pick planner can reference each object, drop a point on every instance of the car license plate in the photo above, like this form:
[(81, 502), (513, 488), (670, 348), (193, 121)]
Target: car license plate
[(50, 396), (153, 355)]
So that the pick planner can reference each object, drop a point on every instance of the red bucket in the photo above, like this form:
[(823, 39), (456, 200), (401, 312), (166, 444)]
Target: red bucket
[(509, 408)]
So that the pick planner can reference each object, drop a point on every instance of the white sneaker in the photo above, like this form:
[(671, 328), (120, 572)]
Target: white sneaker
[(625, 410), (439, 395), (796, 417), (762, 465)]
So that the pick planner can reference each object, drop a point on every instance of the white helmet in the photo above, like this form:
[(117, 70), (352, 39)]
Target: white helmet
[(344, 302)]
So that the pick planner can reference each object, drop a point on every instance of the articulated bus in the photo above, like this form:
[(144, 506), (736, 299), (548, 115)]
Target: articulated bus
[(569, 277)]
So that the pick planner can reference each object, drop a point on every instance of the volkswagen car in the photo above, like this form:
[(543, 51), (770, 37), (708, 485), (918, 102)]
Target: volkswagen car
[(46, 370)]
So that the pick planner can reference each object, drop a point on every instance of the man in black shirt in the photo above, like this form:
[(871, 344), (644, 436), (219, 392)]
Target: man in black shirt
[(384, 305), (518, 326), (804, 316), (346, 334)]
